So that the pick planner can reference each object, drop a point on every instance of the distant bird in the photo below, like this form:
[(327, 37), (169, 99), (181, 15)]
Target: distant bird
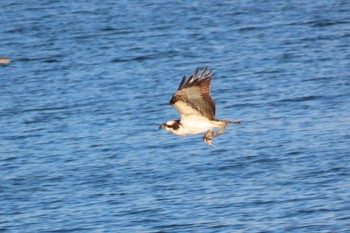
[(4, 60), (196, 108)]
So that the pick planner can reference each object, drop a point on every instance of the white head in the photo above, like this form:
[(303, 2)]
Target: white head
[(171, 126)]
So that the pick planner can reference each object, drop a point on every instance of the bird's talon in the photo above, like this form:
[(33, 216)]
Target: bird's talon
[(209, 141)]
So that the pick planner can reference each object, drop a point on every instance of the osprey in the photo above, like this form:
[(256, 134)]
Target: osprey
[(196, 108)]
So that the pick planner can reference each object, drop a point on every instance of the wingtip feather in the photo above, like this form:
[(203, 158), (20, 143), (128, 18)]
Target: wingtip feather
[(182, 82), (196, 78), (202, 72)]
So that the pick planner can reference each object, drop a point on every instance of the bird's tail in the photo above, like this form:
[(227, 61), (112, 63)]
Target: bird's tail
[(233, 122), (224, 123)]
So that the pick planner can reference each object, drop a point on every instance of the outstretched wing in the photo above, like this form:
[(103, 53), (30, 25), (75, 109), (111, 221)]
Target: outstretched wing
[(193, 96)]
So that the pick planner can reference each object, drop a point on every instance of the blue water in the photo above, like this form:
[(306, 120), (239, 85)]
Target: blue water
[(88, 87)]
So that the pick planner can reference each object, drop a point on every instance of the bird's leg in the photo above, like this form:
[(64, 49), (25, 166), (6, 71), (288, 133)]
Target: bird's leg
[(223, 126), (208, 137), (211, 134), (221, 131)]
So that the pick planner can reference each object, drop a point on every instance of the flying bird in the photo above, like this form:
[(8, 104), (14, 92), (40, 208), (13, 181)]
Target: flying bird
[(196, 108)]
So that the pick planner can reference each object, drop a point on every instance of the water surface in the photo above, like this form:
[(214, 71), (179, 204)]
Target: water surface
[(88, 87)]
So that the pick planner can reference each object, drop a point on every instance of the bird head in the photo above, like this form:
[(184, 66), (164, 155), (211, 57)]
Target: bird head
[(170, 126)]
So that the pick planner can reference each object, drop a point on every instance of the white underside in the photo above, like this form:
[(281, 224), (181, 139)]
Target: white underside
[(194, 124)]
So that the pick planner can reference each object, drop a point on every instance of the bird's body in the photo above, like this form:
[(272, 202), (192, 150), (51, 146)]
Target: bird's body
[(193, 125), (196, 107)]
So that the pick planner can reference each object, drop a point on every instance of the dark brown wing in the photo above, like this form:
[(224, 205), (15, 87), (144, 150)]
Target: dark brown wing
[(193, 95)]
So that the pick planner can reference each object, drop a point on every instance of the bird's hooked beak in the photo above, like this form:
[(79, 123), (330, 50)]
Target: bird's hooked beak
[(162, 126)]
